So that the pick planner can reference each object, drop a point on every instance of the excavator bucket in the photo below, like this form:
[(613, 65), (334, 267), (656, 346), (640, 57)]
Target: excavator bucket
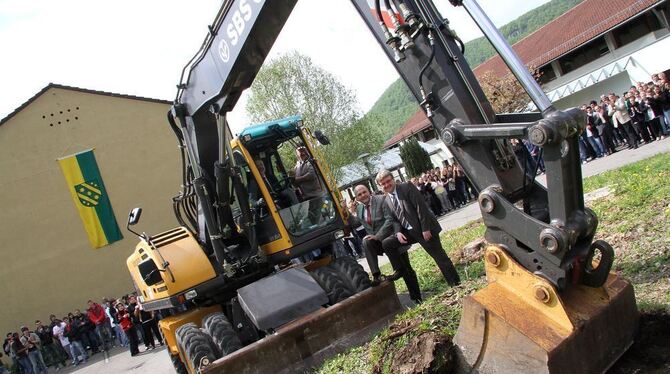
[(520, 324), (306, 342)]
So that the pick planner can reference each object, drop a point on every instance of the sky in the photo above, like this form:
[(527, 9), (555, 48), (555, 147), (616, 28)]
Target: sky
[(140, 47)]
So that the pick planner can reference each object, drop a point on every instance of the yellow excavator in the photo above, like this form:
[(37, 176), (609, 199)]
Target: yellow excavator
[(249, 282)]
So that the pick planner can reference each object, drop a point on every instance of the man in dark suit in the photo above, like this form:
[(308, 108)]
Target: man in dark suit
[(374, 215), (415, 224)]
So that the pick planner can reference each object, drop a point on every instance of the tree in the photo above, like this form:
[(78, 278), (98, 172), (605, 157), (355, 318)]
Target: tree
[(505, 94), (292, 84), (415, 158)]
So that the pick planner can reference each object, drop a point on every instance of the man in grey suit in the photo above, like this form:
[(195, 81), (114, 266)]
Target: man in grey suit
[(415, 224), (311, 186), (374, 215)]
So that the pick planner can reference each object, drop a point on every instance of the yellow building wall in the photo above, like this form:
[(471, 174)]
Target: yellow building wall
[(46, 262)]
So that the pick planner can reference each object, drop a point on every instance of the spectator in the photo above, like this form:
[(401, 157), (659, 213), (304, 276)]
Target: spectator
[(7, 348), (150, 327), (135, 316), (59, 332), (96, 313), (592, 134), (636, 112), (89, 339), (128, 327), (619, 133), (73, 332), (622, 115), (52, 356), (441, 192), (114, 322), (20, 351), (31, 341)]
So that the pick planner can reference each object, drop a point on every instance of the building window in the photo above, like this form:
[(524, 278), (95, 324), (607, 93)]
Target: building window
[(583, 55), (429, 134), (546, 74), (635, 29)]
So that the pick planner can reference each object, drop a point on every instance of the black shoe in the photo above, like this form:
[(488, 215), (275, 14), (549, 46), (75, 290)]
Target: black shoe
[(393, 277)]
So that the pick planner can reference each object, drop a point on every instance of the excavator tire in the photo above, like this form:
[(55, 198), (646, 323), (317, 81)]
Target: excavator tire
[(352, 273), (198, 347), (222, 332), (331, 282), (179, 366)]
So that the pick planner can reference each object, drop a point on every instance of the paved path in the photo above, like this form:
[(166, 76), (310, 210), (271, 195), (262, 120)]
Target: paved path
[(157, 361)]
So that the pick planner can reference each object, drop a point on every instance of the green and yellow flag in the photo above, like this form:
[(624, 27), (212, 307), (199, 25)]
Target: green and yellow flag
[(90, 198)]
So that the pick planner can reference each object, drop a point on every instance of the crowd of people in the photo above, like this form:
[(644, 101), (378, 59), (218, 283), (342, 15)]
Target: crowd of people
[(76, 336), (445, 189), (640, 115)]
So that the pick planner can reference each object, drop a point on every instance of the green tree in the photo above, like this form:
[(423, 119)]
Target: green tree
[(415, 158), (292, 84)]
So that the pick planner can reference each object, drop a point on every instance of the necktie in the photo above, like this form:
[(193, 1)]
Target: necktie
[(398, 212), (368, 217)]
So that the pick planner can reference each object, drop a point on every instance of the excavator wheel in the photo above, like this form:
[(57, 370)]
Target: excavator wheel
[(222, 332), (198, 347), (331, 282), (179, 366), (352, 273)]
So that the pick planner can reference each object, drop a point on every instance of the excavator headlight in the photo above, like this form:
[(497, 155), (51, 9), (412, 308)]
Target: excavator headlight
[(339, 234), (190, 294)]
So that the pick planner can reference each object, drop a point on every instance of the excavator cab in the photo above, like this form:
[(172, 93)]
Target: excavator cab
[(296, 215)]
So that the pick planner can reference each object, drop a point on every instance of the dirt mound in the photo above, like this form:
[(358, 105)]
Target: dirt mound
[(407, 353), (425, 353), (470, 252), (650, 354)]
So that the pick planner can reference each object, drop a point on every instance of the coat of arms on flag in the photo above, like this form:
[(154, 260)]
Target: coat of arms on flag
[(89, 193)]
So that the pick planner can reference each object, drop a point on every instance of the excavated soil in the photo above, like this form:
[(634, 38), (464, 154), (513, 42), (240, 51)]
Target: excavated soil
[(425, 353), (432, 353), (650, 354)]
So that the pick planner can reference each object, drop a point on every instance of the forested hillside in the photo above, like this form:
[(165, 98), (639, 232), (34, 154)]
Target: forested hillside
[(393, 108), (397, 104)]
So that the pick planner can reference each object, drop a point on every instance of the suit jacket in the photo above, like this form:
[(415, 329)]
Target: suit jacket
[(382, 220), (415, 210), (307, 179)]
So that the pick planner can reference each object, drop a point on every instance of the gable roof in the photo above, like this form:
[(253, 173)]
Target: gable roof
[(54, 85), (417, 122), (574, 28)]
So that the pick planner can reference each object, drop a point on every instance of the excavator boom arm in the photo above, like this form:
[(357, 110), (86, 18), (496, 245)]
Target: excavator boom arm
[(551, 236)]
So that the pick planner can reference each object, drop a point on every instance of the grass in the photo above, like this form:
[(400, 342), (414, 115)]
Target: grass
[(634, 219)]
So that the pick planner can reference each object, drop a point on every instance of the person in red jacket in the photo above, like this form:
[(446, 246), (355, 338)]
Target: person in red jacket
[(96, 313), (126, 322)]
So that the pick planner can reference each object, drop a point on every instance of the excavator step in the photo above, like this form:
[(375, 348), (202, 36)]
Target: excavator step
[(308, 341)]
